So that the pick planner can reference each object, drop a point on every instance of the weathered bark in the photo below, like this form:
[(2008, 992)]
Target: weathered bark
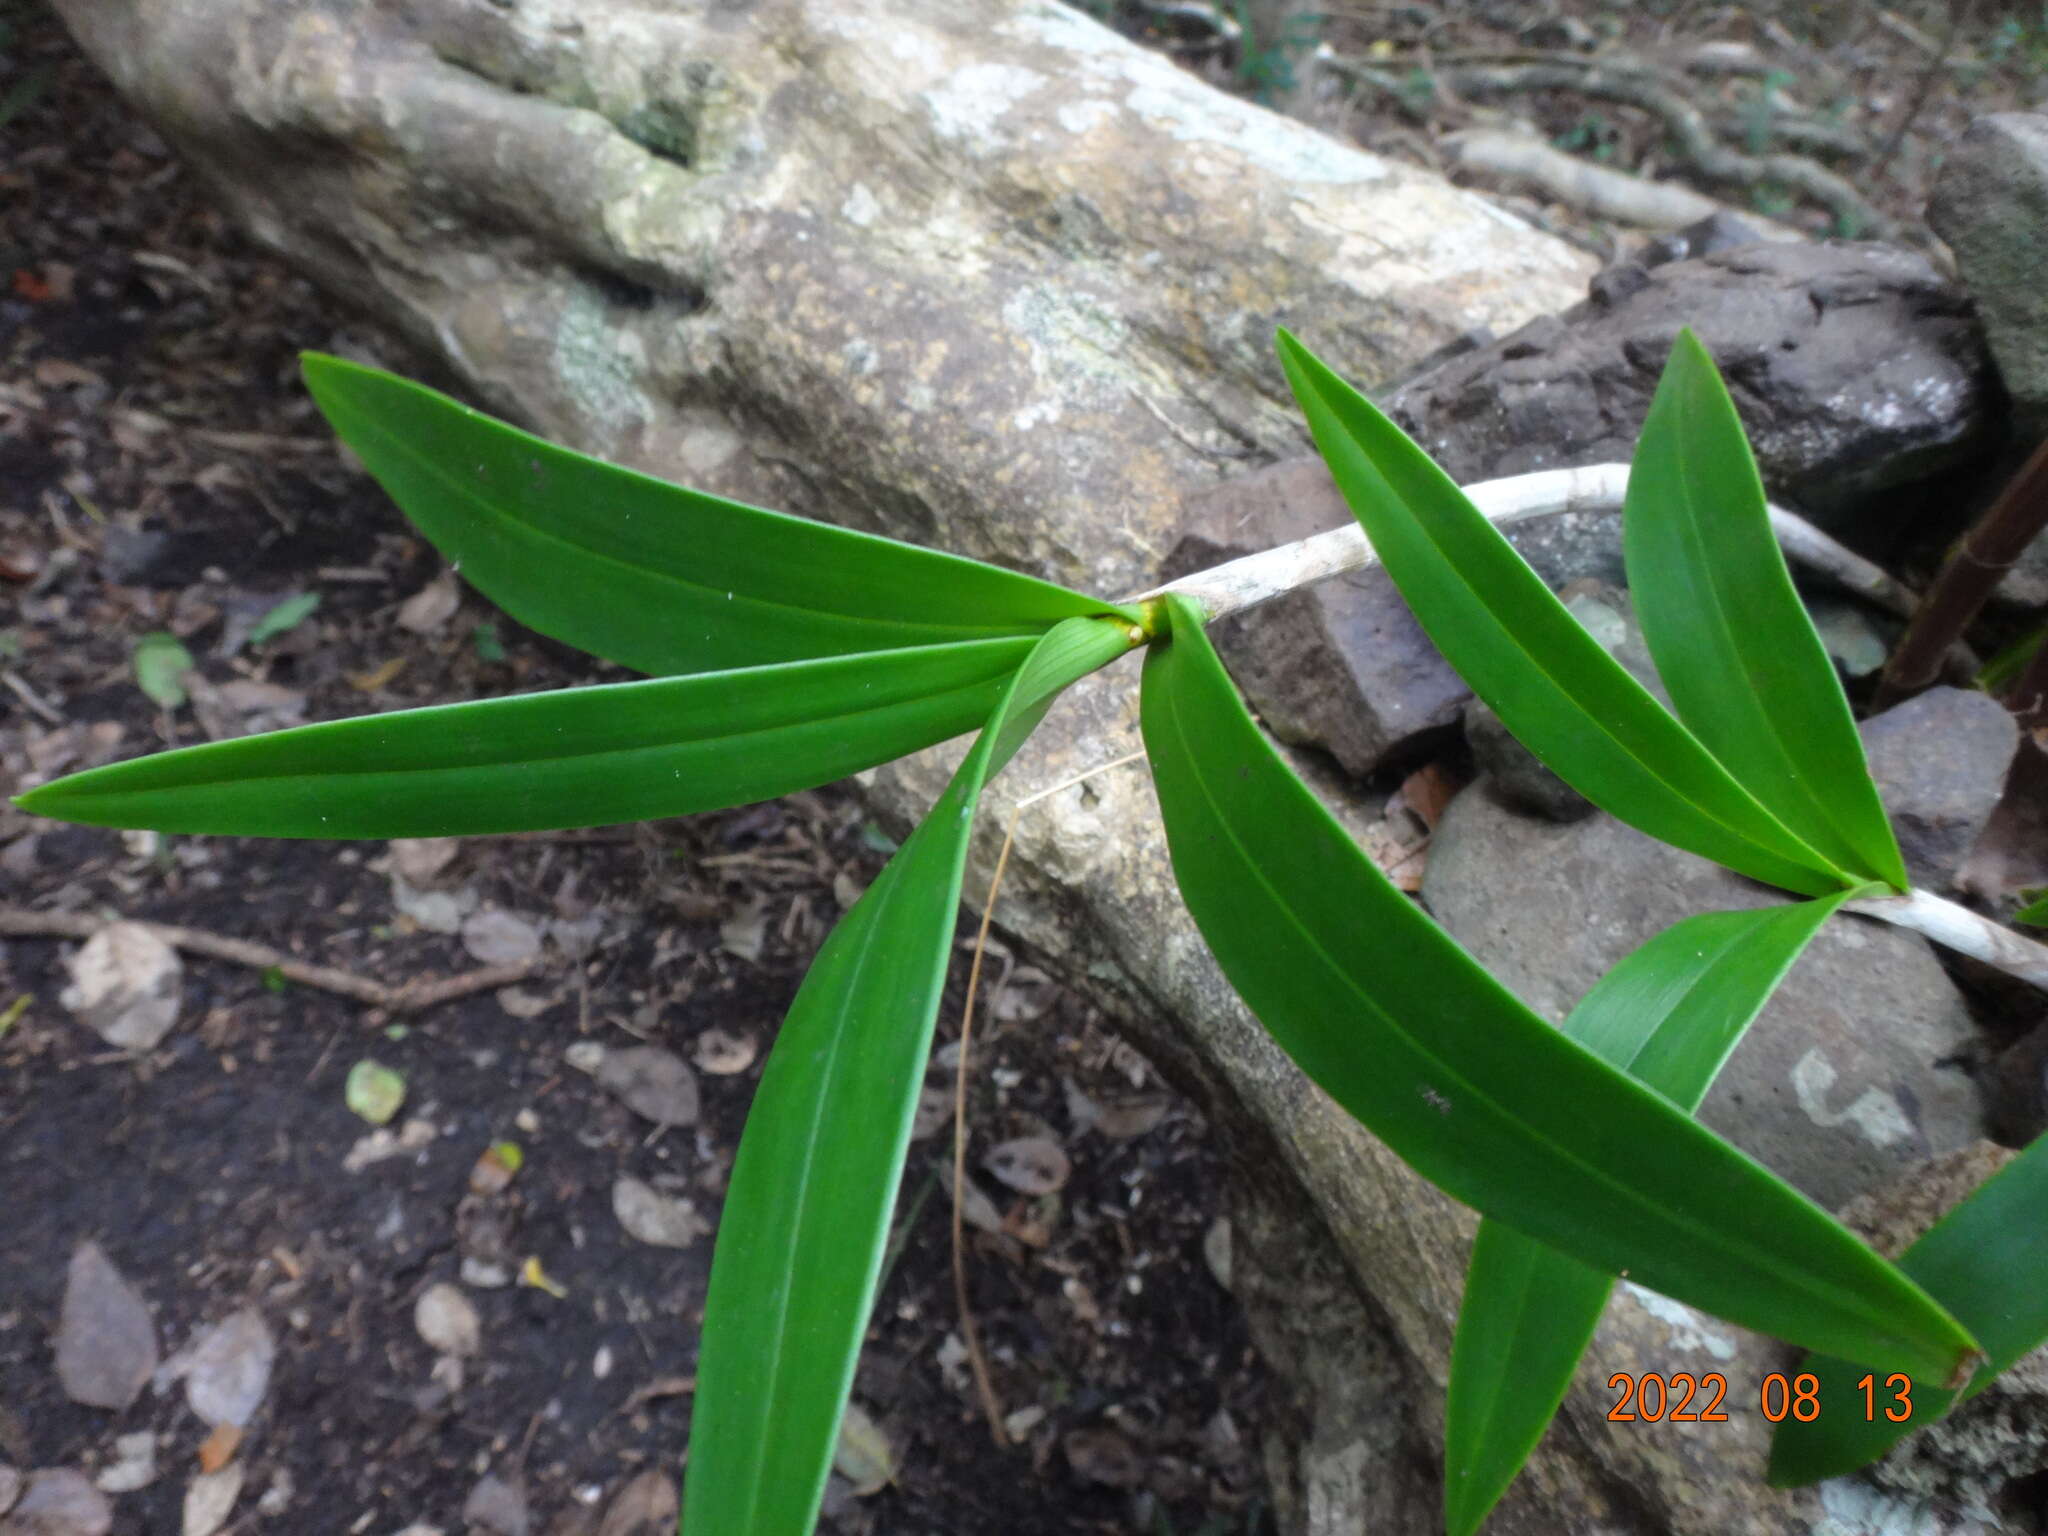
[(982, 275)]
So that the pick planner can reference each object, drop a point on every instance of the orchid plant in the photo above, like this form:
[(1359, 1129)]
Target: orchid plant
[(781, 653)]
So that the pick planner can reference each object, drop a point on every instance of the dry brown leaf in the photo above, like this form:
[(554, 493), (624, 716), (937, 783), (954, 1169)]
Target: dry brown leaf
[(1427, 791), (376, 677), (218, 1448)]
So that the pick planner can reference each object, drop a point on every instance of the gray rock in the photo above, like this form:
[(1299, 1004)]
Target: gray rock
[(1518, 777), (106, 1341), (1515, 774), (1847, 1076), (1718, 231), (1940, 762), (59, 1501), (1856, 640), (1342, 665), (1991, 204), (1855, 366), (498, 1505)]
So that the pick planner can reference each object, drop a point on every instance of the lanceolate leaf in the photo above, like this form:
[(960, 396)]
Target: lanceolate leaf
[(801, 1238), (1511, 639), (1668, 1015), (649, 574), (1746, 671), (1987, 1261), (580, 757), (1480, 1096)]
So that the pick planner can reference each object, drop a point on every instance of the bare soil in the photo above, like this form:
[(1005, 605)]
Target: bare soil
[(161, 471)]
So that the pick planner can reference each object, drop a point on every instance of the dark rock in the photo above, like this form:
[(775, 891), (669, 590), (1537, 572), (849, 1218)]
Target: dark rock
[(1517, 775), (1940, 761), (1342, 665), (1855, 366), (1718, 231), (1848, 1075), (133, 557), (1991, 204), (2016, 1088)]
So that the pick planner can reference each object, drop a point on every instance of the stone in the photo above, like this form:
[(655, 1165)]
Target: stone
[(1990, 203), (59, 1501), (1341, 665), (2016, 1088), (1940, 761), (106, 1340), (1515, 775), (126, 983), (1850, 1074), (498, 1505), (1856, 368), (1856, 640)]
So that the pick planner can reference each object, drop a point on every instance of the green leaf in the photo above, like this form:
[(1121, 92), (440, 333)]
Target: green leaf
[(1513, 642), (1746, 671), (579, 757), (1668, 1015), (648, 574), (1985, 1260), (2035, 913), (1378, 1005), (286, 616), (807, 1214), (160, 667)]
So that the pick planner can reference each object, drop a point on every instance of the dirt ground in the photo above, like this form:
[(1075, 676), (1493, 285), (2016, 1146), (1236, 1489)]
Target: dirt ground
[(163, 473)]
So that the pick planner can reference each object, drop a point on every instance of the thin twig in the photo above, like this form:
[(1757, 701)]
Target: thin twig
[(410, 997), (983, 1382)]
